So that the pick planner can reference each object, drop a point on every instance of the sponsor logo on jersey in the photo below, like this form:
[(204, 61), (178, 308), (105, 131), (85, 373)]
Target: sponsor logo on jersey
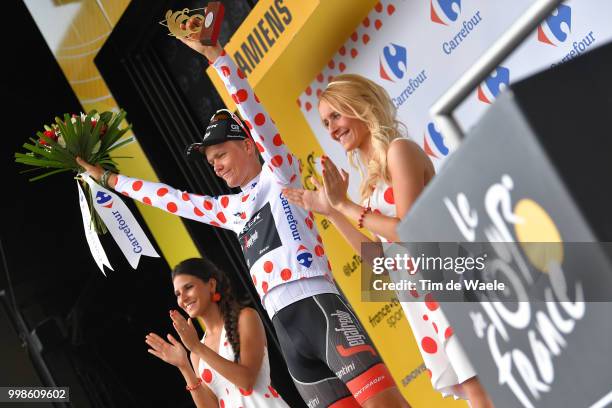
[(259, 236), (352, 334)]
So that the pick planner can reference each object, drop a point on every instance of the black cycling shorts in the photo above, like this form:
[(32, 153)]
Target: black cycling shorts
[(329, 355)]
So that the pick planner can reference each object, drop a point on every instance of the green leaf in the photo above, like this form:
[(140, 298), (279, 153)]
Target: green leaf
[(121, 143)]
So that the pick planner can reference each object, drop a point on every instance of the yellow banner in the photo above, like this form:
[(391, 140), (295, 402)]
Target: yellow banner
[(263, 37)]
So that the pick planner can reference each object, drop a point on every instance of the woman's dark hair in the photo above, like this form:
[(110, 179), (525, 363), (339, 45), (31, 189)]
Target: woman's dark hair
[(229, 306)]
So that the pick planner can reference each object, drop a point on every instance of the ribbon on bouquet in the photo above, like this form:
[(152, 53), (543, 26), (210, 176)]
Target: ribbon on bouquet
[(119, 221)]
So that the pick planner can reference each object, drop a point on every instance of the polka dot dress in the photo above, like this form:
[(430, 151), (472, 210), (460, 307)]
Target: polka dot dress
[(262, 395), (446, 362)]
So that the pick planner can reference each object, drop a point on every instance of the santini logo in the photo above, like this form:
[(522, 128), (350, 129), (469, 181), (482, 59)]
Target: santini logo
[(494, 84)]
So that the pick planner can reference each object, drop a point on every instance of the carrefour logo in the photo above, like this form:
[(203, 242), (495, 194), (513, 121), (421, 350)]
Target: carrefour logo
[(393, 62), (393, 65), (556, 28), (556, 31), (445, 11), (105, 200), (304, 257), (494, 84), (433, 142)]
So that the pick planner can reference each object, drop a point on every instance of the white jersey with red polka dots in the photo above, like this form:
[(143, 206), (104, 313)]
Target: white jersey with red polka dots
[(280, 241), (262, 395), (446, 362)]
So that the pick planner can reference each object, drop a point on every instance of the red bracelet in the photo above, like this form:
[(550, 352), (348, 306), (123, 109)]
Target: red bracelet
[(194, 386), (364, 211)]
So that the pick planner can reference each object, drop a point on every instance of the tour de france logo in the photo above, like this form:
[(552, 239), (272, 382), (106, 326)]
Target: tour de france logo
[(537, 226)]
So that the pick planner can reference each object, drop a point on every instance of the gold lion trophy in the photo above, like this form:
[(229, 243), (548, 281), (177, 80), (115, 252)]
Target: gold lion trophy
[(208, 29)]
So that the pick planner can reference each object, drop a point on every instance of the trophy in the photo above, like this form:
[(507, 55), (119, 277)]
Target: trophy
[(207, 27)]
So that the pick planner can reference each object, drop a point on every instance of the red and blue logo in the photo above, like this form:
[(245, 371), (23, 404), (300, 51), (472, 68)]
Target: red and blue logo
[(556, 28), (105, 200), (304, 257), (445, 11), (494, 84), (433, 142), (393, 62)]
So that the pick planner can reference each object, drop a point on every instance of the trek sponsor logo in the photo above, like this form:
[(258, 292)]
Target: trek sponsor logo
[(124, 226), (493, 85), (433, 142), (249, 240), (556, 31), (105, 200), (259, 236), (556, 28), (393, 67), (352, 334), (347, 369), (291, 221), (250, 223)]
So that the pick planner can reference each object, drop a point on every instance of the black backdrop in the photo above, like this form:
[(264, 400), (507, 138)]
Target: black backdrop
[(92, 327)]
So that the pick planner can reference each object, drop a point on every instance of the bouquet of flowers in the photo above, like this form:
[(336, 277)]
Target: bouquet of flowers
[(91, 136)]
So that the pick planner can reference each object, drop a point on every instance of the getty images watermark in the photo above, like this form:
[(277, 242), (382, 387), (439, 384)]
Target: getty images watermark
[(460, 272)]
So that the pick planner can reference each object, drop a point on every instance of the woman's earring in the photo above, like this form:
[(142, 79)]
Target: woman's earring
[(216, 297)]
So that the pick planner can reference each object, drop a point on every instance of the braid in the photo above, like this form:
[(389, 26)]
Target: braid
[(230, 309)]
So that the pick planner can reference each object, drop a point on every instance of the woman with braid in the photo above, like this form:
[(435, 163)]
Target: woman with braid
[(229, 365)]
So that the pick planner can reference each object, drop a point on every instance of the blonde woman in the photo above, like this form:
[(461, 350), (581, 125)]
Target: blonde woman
[(360, 116)]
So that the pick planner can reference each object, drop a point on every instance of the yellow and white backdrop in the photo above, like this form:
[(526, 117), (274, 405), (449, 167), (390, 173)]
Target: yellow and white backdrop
[(289, 50)]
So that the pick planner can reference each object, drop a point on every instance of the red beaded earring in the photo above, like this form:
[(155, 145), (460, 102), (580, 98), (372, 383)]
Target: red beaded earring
[(216, 297)]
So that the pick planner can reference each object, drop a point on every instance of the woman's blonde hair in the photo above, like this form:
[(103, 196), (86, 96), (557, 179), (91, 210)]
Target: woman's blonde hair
[(357, 97)]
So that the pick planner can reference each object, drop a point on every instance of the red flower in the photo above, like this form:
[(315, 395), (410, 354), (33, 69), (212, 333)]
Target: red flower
[(103, 130), (94, 123), (51, 135)]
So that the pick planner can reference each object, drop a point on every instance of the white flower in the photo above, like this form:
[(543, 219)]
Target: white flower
[(61, 141)]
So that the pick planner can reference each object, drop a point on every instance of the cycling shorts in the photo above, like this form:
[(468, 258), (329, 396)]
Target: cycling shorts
[(329, 355)]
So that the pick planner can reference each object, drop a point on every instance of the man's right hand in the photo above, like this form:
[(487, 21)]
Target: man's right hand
[(209, 51)]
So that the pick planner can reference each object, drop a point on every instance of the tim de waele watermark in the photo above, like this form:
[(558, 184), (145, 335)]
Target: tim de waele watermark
[(404, 263)]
